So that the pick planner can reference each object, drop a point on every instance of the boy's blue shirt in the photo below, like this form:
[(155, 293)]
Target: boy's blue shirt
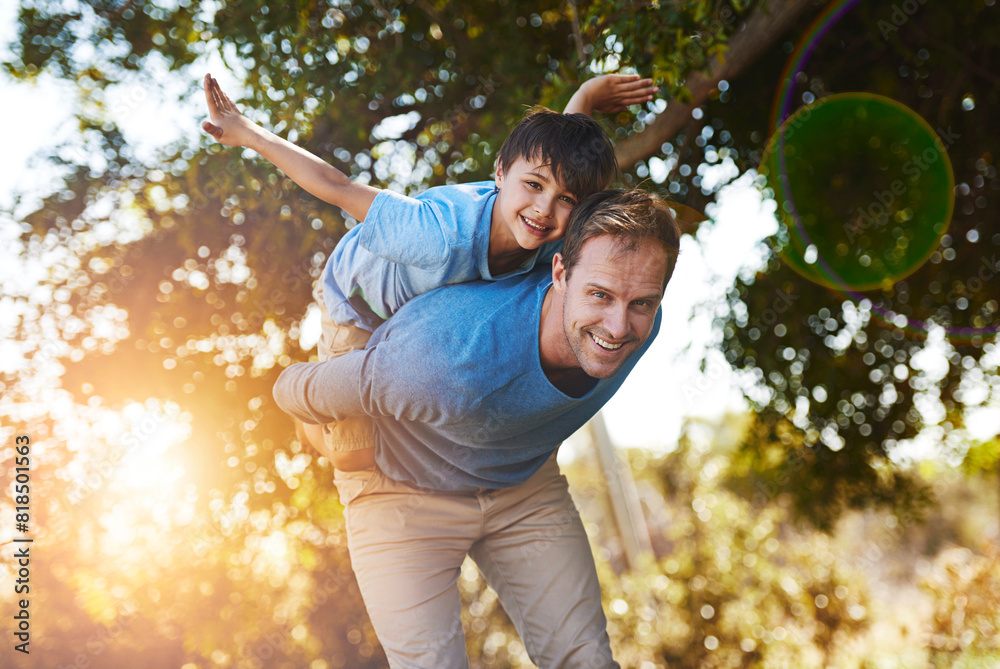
[(407, 246), (455, 387)]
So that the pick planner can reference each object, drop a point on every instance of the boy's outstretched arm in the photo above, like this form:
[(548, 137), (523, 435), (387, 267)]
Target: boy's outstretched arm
[(610, 93), (230, 127)]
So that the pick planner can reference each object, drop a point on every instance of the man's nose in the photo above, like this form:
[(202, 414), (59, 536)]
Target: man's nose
[(616, 320)]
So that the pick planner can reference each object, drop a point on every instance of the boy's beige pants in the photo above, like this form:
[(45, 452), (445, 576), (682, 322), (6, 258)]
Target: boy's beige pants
[(355, 433), (407, 545)]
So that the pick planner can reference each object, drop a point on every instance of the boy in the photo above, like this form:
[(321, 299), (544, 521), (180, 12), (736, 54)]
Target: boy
[(449, 234)]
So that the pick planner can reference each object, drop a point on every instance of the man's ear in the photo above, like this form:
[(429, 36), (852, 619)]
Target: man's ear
[(558, 274)]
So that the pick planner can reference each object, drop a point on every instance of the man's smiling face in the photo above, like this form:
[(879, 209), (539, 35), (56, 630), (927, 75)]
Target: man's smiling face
[(610, 300)]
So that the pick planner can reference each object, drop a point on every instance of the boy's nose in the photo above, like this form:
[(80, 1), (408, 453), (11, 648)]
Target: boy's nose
[(543, 205)]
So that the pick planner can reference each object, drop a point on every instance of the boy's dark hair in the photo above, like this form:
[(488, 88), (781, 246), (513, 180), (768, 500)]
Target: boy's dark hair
[(630, 216), (573, 146)]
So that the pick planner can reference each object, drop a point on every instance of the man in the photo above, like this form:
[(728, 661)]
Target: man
[(472, 388)]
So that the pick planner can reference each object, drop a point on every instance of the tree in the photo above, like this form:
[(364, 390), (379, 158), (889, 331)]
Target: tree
[(175, 286), (846, 373)]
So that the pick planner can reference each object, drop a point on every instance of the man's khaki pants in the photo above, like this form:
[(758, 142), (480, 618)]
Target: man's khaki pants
[(407, 546)]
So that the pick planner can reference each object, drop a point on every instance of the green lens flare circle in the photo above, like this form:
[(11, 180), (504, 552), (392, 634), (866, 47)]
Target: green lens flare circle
[(865, 191)]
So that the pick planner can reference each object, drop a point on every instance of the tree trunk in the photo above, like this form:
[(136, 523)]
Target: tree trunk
[(625, 504)]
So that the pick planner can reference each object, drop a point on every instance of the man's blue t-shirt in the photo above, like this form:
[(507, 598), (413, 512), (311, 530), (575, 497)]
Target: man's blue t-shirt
[(455, 387), (409, 245)]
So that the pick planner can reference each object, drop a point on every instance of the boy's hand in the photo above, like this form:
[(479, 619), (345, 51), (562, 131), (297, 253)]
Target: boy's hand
[(228, 125), (321, 179), (610, 93)]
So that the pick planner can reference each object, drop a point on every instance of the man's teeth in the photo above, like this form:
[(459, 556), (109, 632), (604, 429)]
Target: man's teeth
[(604, 344), (531, 224)]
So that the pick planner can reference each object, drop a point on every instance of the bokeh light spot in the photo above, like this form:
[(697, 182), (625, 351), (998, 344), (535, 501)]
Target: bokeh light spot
[(865, 190)]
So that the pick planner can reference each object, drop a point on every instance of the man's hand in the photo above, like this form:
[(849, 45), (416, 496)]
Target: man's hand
[(228, 125), (610, 93)]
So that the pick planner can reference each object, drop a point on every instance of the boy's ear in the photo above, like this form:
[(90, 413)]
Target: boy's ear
[(498, 174)]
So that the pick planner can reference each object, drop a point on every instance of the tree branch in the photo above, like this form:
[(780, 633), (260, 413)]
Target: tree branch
[(762, 29), (577, 33)]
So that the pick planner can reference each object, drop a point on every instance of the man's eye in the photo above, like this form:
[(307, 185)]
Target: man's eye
[(598, 294)]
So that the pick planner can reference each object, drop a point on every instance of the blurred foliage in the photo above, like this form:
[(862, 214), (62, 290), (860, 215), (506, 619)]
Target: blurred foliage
[(966, 618), (162, 291), (840, 380), (736, 585), (738, 581), (982, 457), (775, 458), (730, 584)]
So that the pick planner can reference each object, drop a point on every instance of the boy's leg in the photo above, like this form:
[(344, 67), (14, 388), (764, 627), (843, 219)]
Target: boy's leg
[(536, 555), (310, 434), (348, 444), (407, 547)]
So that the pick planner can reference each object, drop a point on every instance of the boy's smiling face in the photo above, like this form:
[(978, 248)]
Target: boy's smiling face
[(534, 205)]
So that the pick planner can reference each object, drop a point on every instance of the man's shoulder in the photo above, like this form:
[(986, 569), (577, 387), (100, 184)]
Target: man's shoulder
[(445, 350), (464, 319), (479, 296)]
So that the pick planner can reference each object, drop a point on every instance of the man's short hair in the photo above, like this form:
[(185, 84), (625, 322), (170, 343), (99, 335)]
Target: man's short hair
[(573, 146), (630, 216)]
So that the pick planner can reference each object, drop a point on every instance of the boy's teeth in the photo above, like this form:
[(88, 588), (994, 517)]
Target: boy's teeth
[(604, 344), (534, 225)]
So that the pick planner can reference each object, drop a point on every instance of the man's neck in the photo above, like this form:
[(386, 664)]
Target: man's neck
[(558, 361)]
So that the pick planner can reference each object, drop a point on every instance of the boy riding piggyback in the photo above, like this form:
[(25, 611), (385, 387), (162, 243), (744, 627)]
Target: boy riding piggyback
[(405, 246)]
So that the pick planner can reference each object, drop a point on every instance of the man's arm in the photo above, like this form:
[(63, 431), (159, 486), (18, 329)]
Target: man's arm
[(610, 93), (323, 180), (322, 392)]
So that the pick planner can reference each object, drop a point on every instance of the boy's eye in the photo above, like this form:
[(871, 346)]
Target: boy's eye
[(568, 200), (534, 184)]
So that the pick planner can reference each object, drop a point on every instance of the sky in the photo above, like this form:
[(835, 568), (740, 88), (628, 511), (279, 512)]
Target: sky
[(666, 387)]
